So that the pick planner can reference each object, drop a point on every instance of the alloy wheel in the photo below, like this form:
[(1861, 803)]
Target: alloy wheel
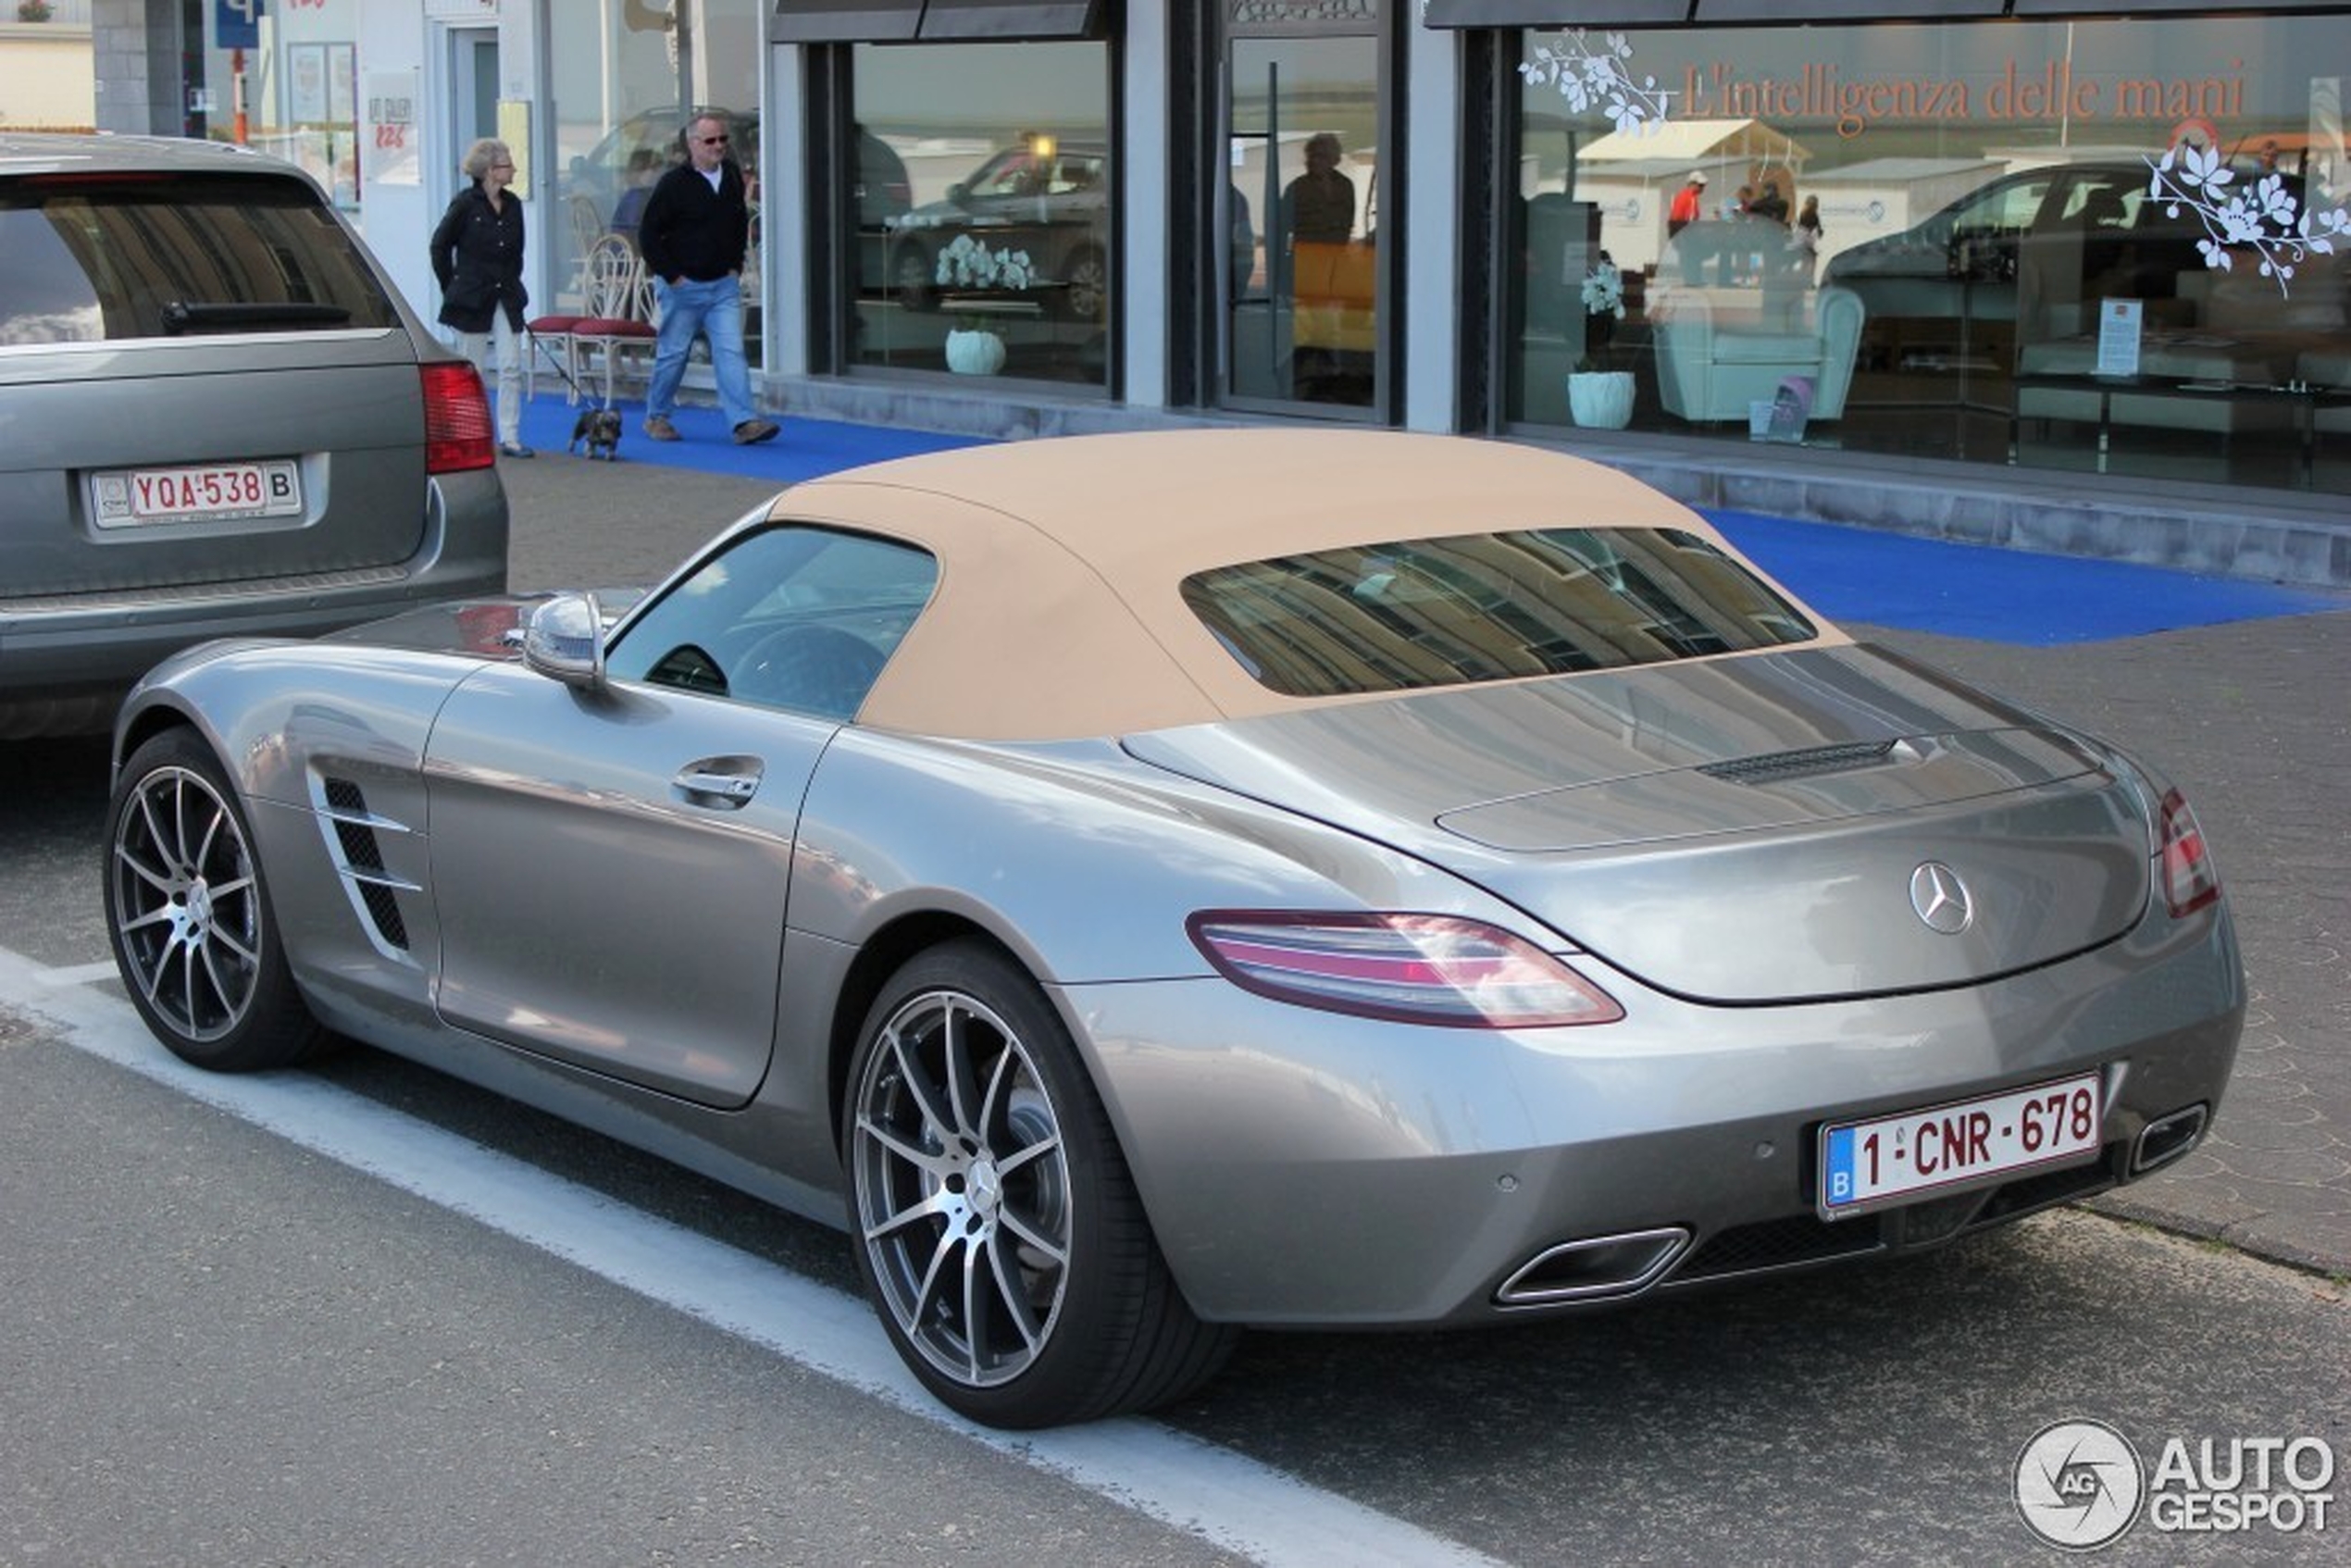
[(186, 905), (962, 1191)]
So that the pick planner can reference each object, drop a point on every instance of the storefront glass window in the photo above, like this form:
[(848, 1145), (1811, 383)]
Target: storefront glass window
[(620, 97), (983, 202), (2103, 246)]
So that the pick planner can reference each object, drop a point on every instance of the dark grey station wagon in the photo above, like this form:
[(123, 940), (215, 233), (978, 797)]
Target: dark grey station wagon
[(217, 415)]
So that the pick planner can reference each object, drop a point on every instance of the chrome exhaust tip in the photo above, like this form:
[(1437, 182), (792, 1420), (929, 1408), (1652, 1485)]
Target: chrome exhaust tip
[(1596, 1267), (2167, 1137)]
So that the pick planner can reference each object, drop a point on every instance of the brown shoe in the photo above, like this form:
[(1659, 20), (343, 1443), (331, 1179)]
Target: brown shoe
[(658, 427), (753, 429)]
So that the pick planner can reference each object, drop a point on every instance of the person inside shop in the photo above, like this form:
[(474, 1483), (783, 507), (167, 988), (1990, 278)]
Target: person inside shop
[(1738, 252), (694, 237), (1685, 256), (1244, 243), (1329, 286), (1688, 205), (1805, 237), (1319, 205), (477, 257)]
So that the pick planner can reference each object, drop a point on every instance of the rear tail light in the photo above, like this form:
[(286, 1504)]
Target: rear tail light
[(2190, 879), (1410, 968), (458, 433)]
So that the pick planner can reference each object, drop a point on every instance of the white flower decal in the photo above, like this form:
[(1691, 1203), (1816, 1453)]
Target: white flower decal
[(1590, 82), (2262, 216)]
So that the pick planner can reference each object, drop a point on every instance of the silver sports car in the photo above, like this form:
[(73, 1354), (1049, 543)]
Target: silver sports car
[(1143, 886)]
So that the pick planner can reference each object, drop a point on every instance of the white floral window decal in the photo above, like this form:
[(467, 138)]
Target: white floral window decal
[(2262, 216), (1591, 80)]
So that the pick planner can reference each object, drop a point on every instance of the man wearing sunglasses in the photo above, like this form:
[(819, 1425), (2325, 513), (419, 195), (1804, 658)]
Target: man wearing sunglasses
[(695, 232)]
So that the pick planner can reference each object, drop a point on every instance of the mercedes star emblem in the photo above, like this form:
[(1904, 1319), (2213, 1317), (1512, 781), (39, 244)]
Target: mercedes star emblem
[(1941, 899)]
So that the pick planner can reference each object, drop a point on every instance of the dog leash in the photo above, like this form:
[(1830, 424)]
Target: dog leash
[(561, 368)]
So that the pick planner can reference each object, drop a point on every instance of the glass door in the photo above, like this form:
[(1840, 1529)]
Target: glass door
[(473, 98), (1303, 322)]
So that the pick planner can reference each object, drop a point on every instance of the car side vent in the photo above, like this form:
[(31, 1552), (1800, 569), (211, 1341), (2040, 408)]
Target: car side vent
[(359, 857), (1781, 766)]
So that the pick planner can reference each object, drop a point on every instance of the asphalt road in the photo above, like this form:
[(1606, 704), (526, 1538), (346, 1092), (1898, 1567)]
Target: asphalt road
[(365, 1316)]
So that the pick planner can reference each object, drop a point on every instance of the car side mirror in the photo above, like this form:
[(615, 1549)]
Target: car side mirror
[(957, 192), (564, 640)]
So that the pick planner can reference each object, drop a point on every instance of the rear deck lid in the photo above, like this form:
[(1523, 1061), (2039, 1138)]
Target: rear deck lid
[(1822, 823)]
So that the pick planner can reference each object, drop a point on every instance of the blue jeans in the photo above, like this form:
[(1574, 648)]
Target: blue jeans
[(713, 310)]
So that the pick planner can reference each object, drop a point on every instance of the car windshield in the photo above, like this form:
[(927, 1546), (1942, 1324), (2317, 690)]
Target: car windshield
[(1487, 607), (101, 258)]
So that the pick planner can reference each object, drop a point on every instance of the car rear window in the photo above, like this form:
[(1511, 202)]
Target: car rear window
[(1487, 607), (95, 259)]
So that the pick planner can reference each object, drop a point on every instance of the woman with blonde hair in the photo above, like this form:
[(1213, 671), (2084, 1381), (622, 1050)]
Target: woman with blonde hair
[(477, 254)]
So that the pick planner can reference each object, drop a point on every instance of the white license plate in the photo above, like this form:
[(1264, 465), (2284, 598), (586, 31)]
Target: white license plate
[(203, 492), (1867, 1164)]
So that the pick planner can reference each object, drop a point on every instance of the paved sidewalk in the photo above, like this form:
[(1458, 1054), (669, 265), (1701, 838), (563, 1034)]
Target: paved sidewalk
[(2233, 690)]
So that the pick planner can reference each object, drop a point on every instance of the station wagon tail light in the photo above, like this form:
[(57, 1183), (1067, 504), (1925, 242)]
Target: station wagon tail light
[(458, 434), (2190, 879), (1409, 968)]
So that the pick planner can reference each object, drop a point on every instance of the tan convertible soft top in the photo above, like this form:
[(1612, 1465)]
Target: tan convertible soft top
[(1059, 613)]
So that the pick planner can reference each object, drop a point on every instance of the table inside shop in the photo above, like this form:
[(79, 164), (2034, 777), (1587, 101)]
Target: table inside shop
[(1025, 310), (2304, 399)]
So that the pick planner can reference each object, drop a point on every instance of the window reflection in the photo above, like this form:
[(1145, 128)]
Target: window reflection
[(621, 97), (1941, 240), (983, 202), (1482, 607)]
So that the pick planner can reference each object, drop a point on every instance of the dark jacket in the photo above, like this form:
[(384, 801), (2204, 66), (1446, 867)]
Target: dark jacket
[(476, 253), (692, 231)]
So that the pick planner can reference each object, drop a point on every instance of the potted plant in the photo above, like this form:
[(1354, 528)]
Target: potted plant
[(968, 264), (1598, 395), (34, 10)]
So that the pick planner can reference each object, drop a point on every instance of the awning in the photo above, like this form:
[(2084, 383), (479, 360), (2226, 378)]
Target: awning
[(1555, 13), (1012, 19), (901, 21), (1563, 14), (847, 22)]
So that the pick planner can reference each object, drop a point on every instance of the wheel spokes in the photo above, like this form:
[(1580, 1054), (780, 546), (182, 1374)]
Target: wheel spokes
[(962, 1188), (187, 905)]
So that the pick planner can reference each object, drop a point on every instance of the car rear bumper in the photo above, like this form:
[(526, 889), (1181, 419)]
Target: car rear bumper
[(66, 657), (1310, 1170)]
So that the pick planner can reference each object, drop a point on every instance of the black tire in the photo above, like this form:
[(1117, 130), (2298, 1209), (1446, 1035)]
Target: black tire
[(996, 1224), (913, 276), (1086, 275), (188, 913)]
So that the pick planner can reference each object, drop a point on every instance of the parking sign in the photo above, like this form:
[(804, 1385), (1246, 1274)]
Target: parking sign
[(238, 23)]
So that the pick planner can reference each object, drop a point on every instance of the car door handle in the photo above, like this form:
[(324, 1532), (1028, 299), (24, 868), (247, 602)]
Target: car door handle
[(723, 789)]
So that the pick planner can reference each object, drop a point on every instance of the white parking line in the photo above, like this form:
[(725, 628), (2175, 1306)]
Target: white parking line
[(1239, 1505)]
